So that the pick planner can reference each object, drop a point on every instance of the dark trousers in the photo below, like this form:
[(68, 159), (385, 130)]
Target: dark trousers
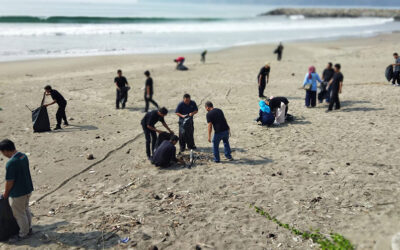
[(334, 100), (396, 77), (122, 97), (186, 138), (261, 89), (148, 100), (60, 115), (311, 98), (279, 56), (322, 95), (151, 138)]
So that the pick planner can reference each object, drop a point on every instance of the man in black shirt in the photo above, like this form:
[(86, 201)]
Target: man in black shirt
[(165, 154), (216, 119), (122, 89), (186, 110), (326, 78), (149, 91), (275, 102), (62, 104), (263, 79), (279, 51), (150, 132), (337, 85)]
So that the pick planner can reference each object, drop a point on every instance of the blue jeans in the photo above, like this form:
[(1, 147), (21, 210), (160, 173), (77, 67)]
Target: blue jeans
[(224, 136)]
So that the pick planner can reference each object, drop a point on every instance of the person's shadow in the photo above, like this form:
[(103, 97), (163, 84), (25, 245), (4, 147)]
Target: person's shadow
[(44, 235)]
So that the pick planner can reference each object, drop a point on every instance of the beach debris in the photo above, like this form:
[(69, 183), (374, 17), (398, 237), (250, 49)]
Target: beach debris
[(271, 236), (153, 247), (129, 151), (348, 163), (279, 245), (92, 172), (121, 188), (293, 74), (45, 238), (317, 199), (71, 119), (156, 196), (197, 247), (90, 157), (97, 137), (147, 237), (52, 211), (371, 173), (124, 240)]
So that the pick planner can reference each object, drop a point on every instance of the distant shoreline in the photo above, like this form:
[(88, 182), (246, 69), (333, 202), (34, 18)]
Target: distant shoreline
[(334, 13)]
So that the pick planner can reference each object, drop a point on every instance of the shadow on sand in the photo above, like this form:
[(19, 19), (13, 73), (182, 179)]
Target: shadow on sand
[(44, 235)]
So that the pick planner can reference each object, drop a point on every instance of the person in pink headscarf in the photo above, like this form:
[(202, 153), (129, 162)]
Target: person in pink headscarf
[(310, 84)]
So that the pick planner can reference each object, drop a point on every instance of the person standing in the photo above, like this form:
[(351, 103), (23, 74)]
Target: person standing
[(18, 188), (186, 110), (150, 132), (337, 85), (122, 90), (149, 91), (310, 85), (396, 72), (279, 51), (203, 56), (215, 118), (263, 79), (326, 78), (62, 104)]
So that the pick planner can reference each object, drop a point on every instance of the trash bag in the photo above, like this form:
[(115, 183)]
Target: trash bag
[(289, 118), (389, 73), (182, 67), (40, 120), (8, 224), (164, 136)]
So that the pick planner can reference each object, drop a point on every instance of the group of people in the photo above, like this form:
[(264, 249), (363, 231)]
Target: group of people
[(164, 154), (273, 111), (331, 86)]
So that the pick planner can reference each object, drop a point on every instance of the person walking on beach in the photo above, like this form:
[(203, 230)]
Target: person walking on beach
[(337, 85), (263, 79), (396, 71), (165, 154), (150, 132), (18, 188), (149, 91), (215, 118), (203, 56), (326, 78), (186, 111), (310, 85), (279, 51), (62, 104), (122, 89)]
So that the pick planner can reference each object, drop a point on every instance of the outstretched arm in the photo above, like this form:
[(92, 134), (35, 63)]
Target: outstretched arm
[(166, 126), (209, 131)]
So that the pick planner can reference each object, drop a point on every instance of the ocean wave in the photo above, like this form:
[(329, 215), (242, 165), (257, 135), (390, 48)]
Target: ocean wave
[(99, 20)]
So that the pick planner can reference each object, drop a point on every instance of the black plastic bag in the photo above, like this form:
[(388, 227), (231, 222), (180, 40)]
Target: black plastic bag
[(40, 119), (389, 73), (8, 224)]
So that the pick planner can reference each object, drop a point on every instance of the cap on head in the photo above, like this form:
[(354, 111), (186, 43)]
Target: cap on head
[(268, 64), (209, 104), (7, 145), (147, 73), (163, 111), (47, 87)]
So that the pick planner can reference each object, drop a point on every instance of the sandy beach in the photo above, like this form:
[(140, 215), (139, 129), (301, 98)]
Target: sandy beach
[(348, 158)]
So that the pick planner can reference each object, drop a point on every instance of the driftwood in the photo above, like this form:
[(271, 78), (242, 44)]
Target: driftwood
[(120, 189)]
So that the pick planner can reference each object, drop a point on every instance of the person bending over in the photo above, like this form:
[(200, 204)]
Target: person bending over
[(186, 111), (149, 91), (150, 132), (216, 119), (62, 104), (279, 106), (266, 117), (165, 154), (18, 188)]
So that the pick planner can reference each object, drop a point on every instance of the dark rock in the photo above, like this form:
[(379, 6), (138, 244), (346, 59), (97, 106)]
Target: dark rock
[(273, 174), (348, 163), (371, 173), (197, 247), (153, 248), (271, 236), (156, 196), (90, 157), (317, 199), (98, 137)]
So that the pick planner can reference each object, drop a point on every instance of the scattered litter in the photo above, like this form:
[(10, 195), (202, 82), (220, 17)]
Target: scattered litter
[(28, 154), (90, 157), (317, 199), (124, 240), (279, 245), (52, 212), (97, 137), (92, 172)]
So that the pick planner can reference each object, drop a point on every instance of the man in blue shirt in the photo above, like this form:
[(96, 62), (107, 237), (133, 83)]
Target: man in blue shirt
[(18, 187), (165, 154), (186, 110)]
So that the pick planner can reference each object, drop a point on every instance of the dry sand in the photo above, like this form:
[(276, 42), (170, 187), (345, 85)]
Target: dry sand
[(349, 158)]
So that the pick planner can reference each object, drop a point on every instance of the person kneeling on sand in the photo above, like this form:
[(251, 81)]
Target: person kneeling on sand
[(266, 117), (279, 106), (18, 188), (165, 154)]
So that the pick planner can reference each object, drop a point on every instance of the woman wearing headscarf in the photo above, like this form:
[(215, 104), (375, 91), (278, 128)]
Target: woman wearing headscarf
[(266, 116), (310, 85)]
